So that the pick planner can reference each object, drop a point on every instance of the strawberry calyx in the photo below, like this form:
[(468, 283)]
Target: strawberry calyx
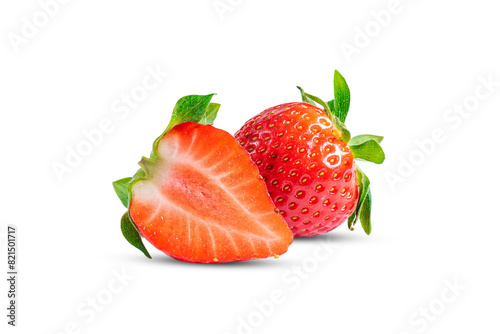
[(363, 147), (191, 108)]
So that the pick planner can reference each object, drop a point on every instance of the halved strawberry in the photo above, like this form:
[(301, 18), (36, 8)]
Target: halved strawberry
[(306, 156), (199, 197)]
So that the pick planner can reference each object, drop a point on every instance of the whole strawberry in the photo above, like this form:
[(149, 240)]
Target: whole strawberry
[(306, 156)]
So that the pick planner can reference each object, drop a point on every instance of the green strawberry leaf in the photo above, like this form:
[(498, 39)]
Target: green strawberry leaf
[(342, 96), (122, 186), (363, 187), (132, 235), (369, 150), (192, 108), (331, 104), (210, 115), (357, 140), (121, 189), (365, 213), (305, 98)]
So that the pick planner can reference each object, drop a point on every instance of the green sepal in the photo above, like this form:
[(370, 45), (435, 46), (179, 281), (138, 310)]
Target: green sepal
[(210, 114), (365, 213), (121, 189), (369, 150), (132, 235), (305, 98), (191, 108), (320, 102), (364, 138), (345, 135), (364, 191), (331, 104), (342, 97)]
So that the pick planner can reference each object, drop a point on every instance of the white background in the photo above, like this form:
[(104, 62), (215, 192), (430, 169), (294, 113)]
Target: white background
[(436, 224)]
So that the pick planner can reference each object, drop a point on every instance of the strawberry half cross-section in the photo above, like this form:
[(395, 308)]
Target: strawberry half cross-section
[(199, 197)]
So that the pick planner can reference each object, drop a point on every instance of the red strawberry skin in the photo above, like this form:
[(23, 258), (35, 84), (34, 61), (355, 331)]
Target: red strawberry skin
[(308, 170), (204, 200)]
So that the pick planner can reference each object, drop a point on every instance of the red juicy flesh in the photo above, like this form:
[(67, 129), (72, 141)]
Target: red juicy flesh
[(309, 172), (205, 202)]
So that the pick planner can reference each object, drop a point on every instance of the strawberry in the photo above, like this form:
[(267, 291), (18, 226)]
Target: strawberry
[(306, 156), (199, 197)]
